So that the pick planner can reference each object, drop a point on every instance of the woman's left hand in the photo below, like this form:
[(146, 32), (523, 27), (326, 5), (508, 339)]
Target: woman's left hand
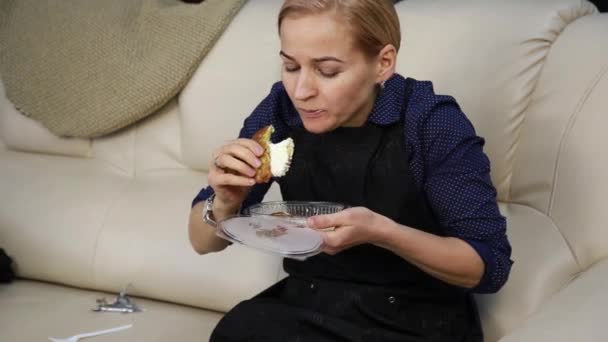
[(352, 227)]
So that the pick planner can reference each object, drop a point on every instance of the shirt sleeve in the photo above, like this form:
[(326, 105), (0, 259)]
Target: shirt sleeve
[(457, 183), (268, 112)]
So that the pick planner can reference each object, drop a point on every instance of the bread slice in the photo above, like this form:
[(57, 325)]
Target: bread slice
[(276, 159)]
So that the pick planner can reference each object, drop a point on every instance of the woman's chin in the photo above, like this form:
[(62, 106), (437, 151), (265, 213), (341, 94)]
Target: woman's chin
[(317, 127)]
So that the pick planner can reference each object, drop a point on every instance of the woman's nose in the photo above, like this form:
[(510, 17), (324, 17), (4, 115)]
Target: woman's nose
[(305, 87)]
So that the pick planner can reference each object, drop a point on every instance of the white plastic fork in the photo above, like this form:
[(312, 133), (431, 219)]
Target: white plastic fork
[(75, 338)]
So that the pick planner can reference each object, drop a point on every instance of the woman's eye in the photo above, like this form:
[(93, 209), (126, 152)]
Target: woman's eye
[(291, 68), (327, 73)]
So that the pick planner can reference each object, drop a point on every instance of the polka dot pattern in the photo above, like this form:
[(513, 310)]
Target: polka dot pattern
[(446, 160)]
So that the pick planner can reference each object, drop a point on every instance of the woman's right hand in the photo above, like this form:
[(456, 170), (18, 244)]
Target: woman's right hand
[(231, 173)]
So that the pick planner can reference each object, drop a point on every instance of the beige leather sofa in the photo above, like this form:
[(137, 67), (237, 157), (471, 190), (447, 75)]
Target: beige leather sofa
[(84, 218)]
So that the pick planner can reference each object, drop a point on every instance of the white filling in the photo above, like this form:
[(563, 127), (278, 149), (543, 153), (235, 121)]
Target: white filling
[(280, 157)]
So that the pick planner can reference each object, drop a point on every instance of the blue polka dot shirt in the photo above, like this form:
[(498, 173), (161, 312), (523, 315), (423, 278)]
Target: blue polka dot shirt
[(447, 162)]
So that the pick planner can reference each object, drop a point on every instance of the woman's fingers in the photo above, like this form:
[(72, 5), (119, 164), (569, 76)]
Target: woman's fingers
[(341, 218), (335, 239), (353, 226), (229, 179), (231, 170), (229, 162), (252, 145), (239, 156), (334, 243)]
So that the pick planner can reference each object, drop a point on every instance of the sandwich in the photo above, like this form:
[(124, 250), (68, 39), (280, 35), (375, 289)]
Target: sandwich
[(276, 159)]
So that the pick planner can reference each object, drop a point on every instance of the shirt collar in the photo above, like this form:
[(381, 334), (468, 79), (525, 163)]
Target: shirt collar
[(389, 102)]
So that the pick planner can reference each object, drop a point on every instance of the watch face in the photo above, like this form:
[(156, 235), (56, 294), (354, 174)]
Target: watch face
[(208, 213)]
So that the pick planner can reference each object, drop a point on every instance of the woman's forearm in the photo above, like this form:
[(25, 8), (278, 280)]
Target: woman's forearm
[(447, 258), (202, 236)]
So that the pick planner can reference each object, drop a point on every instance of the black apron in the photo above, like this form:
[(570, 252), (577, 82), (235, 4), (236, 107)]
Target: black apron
[(365, 293)]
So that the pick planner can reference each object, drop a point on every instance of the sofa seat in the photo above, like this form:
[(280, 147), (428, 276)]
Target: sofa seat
[(32, 311), (577, 313), (542, 271)]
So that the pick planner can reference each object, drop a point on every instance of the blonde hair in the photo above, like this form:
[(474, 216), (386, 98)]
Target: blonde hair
[(374, 23)]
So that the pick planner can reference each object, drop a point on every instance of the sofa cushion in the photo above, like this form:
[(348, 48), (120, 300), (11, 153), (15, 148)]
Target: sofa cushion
[(498, 62), (151, 144), (99, 228), (32, 311), (56, 208), (21, 133), (144, 241), (224, 90), (85, 69), (543, 263), (577, 313), (561, 169)]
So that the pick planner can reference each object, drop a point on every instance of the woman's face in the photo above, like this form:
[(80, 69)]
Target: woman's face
[(330, 82)]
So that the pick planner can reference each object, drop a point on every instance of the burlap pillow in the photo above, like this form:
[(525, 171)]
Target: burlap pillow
[(88, 68)]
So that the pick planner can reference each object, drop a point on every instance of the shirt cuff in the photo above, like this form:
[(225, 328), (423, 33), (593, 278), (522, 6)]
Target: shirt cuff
[(202, 195), (485, 284)]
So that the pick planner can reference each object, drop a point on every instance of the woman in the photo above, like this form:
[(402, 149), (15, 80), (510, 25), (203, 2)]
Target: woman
[(424, 230)]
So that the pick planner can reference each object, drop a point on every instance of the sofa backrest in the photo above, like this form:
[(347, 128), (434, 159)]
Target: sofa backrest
[(561, 168), (489, 55), (232, 79)]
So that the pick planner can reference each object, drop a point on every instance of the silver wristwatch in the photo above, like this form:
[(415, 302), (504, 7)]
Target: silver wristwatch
[(208, 212)]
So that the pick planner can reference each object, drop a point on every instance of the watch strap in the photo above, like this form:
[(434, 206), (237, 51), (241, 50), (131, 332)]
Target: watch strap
[(208, 212)]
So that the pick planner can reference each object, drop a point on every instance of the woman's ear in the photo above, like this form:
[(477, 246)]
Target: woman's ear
[(387, 60)]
